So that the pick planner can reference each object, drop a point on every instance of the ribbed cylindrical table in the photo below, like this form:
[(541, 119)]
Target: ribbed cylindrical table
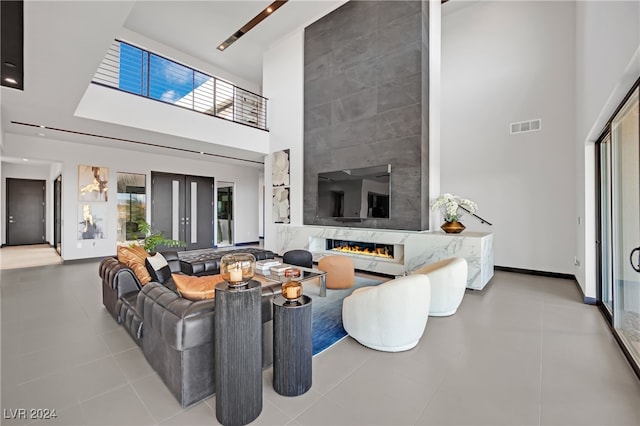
[(292, 346), (238, 353)]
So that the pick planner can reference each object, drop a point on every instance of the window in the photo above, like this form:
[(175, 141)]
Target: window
[(132, 205)]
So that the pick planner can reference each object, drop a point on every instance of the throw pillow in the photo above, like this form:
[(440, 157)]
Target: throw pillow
[(158, 268), (134, 258), (197, 288)]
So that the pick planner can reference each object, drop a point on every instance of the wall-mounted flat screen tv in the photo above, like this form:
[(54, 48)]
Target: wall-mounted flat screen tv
[(356, 194)]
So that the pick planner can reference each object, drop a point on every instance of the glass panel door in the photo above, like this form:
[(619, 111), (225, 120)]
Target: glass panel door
[(625, 214), (225, 214)]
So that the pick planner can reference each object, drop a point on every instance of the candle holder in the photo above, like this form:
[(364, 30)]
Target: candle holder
[(237, 268), (291, 289)]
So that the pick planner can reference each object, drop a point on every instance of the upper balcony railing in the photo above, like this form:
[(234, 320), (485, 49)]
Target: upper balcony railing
[(135, 70)]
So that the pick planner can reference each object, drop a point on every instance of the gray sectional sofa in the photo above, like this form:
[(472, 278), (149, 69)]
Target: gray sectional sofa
[(175, 334)]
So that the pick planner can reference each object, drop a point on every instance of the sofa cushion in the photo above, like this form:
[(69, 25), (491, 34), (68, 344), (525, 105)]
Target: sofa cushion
[(134, 258), (129, 317), (196, 288), (158, 268)]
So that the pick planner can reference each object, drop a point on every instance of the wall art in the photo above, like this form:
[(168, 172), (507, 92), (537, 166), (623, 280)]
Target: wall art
[(92, 221), (280, 170), (93, 183), (281, 208)]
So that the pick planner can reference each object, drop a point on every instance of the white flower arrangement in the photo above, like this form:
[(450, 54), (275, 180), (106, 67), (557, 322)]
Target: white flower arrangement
[(450, 205)]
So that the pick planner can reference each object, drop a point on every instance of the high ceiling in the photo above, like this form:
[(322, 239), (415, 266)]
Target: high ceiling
[(66, 40), (198, 27)]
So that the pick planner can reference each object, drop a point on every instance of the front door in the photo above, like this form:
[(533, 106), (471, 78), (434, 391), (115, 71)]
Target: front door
[(25, 211), (182, 208)]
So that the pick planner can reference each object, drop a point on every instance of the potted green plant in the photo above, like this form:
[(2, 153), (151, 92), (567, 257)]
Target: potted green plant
[(153, 239)]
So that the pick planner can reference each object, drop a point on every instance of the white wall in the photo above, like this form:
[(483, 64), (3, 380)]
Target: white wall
[(283, 81), (435, 105), (70, 155), (261, 205), (607, 64), (114, 106), (506, 62)]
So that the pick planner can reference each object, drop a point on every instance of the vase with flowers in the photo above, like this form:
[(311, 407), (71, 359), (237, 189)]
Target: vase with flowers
[(452, 208)]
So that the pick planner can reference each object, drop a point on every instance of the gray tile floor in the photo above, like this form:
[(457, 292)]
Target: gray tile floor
[(523, 351)]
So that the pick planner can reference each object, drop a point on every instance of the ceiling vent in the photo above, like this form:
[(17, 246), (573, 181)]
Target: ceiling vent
[(526, 126)]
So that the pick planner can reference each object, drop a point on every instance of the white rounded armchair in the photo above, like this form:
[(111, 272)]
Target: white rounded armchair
[(448, 280), (391, 316)]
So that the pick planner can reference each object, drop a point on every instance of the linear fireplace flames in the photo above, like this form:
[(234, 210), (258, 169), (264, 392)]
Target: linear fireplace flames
[(356, 247)]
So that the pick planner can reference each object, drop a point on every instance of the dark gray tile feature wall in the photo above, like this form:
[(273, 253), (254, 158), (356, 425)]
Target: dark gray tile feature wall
[(366, 104)]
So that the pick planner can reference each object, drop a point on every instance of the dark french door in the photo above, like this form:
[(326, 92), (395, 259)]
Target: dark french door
[(182, 208)]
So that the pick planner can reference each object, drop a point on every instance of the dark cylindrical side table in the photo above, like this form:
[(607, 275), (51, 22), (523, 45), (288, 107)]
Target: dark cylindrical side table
[(292, 346), (238, 353)]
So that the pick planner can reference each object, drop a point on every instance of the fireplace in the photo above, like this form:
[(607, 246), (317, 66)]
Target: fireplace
[(357, 247)]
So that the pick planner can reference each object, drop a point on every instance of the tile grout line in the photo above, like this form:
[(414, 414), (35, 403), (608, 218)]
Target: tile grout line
[(63, 369), (323, 395), (133, 388), (440, 384)]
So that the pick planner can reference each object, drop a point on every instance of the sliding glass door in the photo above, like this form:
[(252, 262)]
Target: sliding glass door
[(605, 226), (619, 153), (625, 161)]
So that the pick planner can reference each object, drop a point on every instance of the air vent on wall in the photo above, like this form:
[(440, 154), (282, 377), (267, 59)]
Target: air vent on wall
[(526, 126)]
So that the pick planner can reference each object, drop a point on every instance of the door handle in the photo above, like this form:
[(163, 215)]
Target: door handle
[(636, 268), (11, 221)]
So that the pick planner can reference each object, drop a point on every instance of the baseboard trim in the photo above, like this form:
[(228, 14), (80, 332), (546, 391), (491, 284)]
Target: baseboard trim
[(536, 272), (586, 300), (377, 274), (250, 243), (83, 260)]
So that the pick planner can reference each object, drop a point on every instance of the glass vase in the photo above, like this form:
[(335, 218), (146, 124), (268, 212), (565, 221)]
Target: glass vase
[(237, 268)]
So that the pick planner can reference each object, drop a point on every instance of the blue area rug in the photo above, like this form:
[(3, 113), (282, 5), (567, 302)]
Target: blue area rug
[(327, 312)]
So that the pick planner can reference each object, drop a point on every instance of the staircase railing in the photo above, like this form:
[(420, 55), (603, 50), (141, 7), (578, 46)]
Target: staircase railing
[(134, 70), (477, 217)]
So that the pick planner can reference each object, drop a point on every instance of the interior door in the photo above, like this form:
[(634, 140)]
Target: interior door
[(25, 211)]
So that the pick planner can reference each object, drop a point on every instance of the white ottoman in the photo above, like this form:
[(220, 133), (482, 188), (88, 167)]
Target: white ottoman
[(391, 316), (448, 279)]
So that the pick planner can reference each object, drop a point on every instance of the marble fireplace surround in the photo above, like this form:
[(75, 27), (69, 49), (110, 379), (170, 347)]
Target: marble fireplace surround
[(412, 249)]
